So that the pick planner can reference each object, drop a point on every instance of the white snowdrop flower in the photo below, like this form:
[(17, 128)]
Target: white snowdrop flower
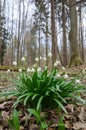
[(77, 81), (55, 64), (14, 63), (8, 70), (44, 58), (23, 59), (36, 59), (58, 75), (28, 70), (66, 76), (40, 58), (20, 70), (49, 54), (63, 68), (58, 62), (32, 70), (39, 69)]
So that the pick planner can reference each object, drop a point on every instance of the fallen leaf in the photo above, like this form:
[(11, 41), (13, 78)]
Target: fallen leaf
[(1, 128)]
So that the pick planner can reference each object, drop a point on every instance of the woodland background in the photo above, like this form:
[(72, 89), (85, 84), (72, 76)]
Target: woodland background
[(33, 28)]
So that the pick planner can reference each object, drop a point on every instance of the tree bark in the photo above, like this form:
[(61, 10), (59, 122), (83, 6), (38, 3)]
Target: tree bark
[(81, 33), (46, 41), (53, 31), (18, 47), (75, 58), (64, 34), (12, 57)]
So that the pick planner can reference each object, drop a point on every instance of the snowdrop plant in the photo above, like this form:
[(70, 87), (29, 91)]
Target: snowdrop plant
[(14, 63), (57, 63), (8, 70), (63, 68), (58, 75), (23, 59), (41, 58), (37, 59), (39, 69), (20, 70), (28, 70), (23, 62), (32, 70), (77, 81), (49, 54), (42, 89), (35, 66), (66, 76), (44, 59)]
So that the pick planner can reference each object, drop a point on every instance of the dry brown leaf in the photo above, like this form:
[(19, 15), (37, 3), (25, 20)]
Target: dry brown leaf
[(70, 107), (5, 104), (79, 125), (81, 115), (2, 106), (1, 128), (5, 115), (67, 124), (21, 128), (34, 127)]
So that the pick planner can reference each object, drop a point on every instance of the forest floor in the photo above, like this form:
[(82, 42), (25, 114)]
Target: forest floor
[(74, 120)]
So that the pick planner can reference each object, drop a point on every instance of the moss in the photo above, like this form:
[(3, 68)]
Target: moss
[(75, 61)]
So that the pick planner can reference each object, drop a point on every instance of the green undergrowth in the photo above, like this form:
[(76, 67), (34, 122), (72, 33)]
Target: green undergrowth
[(38, 91), (42, 89)]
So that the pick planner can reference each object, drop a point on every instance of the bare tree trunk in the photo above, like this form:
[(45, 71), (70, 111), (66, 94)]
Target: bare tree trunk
[(53, 31), (19, 32), (12, 57), (81, 33), (0, 34), (75, 58), (39, 39), (23, 31), (64, 34), (46, 41)]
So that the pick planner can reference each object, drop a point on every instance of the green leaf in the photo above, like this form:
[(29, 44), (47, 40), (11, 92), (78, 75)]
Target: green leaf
[(26, 99), (9, 93), (22, 96), (16, 120), (44, 74), (10, 123), (78, 98), (61, 125), (16, 103), (60, 97), (44, 125), (60, 105), (35, 113), (34, 79), (34, 96), (39, 102)]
